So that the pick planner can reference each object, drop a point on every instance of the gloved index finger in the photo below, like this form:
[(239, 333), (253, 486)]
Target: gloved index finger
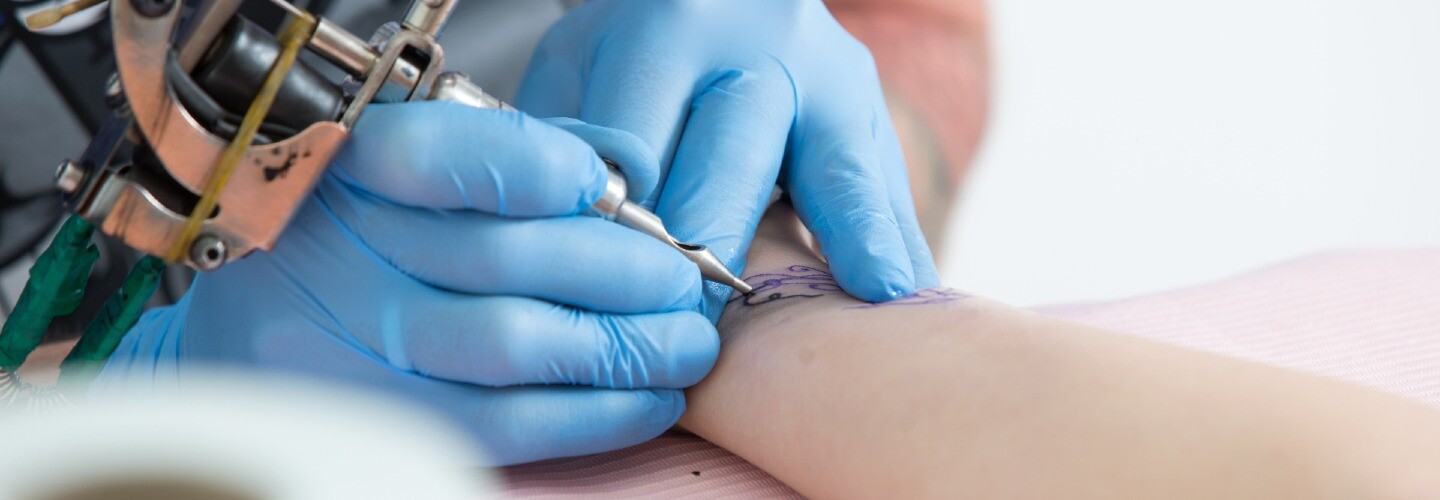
[(450, 156), (841, 194), (727, 164)]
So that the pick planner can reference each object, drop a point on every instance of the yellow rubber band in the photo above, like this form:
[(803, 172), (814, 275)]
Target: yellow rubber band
[(295, 35)]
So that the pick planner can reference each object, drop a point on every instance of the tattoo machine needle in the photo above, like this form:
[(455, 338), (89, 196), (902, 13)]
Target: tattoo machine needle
[(615, 206)]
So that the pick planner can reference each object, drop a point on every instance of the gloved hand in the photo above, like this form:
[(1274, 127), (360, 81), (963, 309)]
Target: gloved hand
[(725, 92), (439, 260)]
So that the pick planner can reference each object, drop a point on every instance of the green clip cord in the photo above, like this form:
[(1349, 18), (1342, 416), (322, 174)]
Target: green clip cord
[(103, 333), (56, 286)]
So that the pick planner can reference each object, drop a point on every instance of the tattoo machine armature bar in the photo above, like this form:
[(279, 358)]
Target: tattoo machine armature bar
[(219, 131)]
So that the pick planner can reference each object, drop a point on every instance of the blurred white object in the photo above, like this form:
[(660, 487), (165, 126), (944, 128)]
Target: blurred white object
[(70, 24), (1140, 145), (252, 437)]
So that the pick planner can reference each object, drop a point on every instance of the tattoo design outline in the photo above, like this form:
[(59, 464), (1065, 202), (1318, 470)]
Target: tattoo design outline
[(811, 278), (818, 280), (928, 296)]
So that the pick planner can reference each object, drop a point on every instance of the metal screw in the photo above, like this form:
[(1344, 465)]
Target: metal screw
[(114, 93), (208, 252), (112, 86), (68, 176)]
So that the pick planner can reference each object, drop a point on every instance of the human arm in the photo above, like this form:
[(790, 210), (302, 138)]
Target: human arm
[(965, 397)]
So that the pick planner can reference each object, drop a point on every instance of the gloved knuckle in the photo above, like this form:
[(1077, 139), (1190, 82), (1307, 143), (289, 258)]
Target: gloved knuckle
[(848, 203), (842, 170), (761, 78), (870, 214)]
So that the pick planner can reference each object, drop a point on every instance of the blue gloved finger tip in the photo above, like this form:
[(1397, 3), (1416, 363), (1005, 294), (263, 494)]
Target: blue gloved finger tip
[(881, 287), (893, 293), (877, 275)]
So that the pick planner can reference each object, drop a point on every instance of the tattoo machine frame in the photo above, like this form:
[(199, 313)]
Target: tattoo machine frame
[(219, 131)]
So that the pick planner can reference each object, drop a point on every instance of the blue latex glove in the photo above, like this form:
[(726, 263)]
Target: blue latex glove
[(726, 91), (397, 275)]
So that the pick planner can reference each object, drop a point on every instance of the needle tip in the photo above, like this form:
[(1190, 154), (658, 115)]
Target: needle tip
[(741, 286)]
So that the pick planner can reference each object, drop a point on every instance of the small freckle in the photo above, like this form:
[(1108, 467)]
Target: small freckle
[(695, 473)]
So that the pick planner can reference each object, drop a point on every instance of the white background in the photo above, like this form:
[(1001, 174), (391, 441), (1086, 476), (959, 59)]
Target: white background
[(1140, 145)]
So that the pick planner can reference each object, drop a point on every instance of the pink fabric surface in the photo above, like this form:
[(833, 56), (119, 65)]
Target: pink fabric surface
[(1369, 317), (665, 467)]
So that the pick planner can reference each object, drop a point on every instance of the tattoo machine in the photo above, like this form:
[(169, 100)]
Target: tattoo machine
[(218, 130), (217, 174)]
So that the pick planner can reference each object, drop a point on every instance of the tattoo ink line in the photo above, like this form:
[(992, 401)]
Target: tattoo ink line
[(809, 277), (924, 297), (769, 289)]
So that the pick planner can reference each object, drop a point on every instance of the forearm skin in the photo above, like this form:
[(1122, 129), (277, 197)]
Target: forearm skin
[(969, 398)]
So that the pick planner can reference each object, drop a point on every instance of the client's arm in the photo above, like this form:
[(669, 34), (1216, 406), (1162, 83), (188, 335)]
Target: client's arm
[(957, 396)]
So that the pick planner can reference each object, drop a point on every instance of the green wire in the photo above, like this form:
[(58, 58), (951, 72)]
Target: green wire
[(103, 333), (55, 288)]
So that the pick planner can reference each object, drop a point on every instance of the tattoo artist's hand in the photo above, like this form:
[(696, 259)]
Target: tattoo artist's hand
[(725, 92), (441, 259)]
